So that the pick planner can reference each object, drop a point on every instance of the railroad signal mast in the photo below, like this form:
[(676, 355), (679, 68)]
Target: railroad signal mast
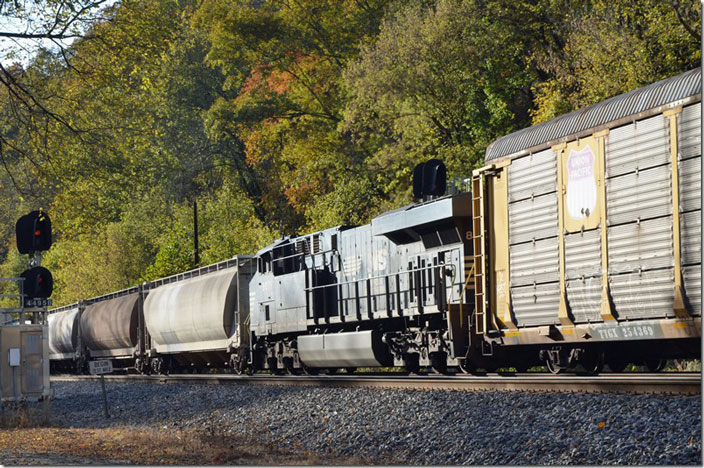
[(24, 334), (33, 233)]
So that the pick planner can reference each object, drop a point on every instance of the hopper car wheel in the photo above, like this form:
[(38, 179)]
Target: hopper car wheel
[(141, 366), (655, 365), (236, 364), (160, 366)]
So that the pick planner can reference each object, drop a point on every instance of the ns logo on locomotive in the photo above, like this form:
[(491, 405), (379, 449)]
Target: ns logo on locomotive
[(577, 246)]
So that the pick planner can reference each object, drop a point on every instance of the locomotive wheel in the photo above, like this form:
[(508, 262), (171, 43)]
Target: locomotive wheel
[(439, 362), (310, 370), (273, 366), (410, 362), (655, 365)]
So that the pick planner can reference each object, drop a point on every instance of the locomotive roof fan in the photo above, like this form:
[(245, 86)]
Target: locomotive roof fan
[(429, 179)]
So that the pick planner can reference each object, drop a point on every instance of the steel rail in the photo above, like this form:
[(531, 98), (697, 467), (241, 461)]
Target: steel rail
[(672, 384)]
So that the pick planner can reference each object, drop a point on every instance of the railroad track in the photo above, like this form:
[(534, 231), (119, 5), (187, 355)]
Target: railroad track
[(672, 384)]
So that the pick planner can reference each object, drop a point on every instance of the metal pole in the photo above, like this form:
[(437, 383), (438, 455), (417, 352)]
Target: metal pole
[(105, 396), (14, 384), (195, 231)]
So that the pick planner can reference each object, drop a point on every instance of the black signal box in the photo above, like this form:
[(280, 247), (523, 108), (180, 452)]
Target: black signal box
[(38, 283), (33, 232)]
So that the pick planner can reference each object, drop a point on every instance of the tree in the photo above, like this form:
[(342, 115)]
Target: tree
[(433, 84), (35, 31), (282, 99), (612, 47)]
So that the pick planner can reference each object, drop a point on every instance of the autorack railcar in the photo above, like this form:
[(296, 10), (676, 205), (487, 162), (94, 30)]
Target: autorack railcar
[(589, 225)]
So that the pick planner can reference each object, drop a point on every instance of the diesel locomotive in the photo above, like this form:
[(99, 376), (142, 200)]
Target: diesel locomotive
[(578, 245)]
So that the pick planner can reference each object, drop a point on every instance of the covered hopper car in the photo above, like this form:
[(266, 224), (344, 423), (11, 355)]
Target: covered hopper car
[(578, 245), (199, 318)]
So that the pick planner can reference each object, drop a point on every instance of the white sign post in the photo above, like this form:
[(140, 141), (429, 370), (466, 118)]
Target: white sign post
[(102, 367)]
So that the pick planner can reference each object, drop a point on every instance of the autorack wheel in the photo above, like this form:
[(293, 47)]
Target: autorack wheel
[(593, 363), (553, 367), (469, 367), (655, 365), (616, 364)]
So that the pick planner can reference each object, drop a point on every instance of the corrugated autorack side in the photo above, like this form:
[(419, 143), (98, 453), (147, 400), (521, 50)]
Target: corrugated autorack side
[(579, 244), (603, 238)]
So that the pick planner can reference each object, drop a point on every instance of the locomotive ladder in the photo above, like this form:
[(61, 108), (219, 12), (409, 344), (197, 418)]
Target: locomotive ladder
[(479, 252)]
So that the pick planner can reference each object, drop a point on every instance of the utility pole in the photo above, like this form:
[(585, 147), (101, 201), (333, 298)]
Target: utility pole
[(195, 231)]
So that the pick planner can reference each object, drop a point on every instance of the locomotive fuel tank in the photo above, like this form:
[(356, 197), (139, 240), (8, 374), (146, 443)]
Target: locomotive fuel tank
[(352, 349)]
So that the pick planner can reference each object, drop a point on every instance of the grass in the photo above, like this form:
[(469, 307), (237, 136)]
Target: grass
[(142, 446), (25, 435)]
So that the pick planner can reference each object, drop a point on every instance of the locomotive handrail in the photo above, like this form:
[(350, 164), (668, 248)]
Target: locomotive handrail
[(303, 254), (384, 276), (420, 291)]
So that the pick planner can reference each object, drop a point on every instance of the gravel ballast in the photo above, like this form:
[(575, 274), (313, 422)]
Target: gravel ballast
[(409, 427)]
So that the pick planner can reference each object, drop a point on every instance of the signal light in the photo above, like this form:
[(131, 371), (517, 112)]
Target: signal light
[(33, 232), (38, 283), (429, 178)]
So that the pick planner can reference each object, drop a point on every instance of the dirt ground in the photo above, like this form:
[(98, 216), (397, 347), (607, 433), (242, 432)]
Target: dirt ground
[(112, 446)]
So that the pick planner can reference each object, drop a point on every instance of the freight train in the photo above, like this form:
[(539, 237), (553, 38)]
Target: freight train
[(578, 245)]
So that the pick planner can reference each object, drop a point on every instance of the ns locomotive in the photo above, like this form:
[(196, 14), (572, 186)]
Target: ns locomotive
[(579, 244)]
